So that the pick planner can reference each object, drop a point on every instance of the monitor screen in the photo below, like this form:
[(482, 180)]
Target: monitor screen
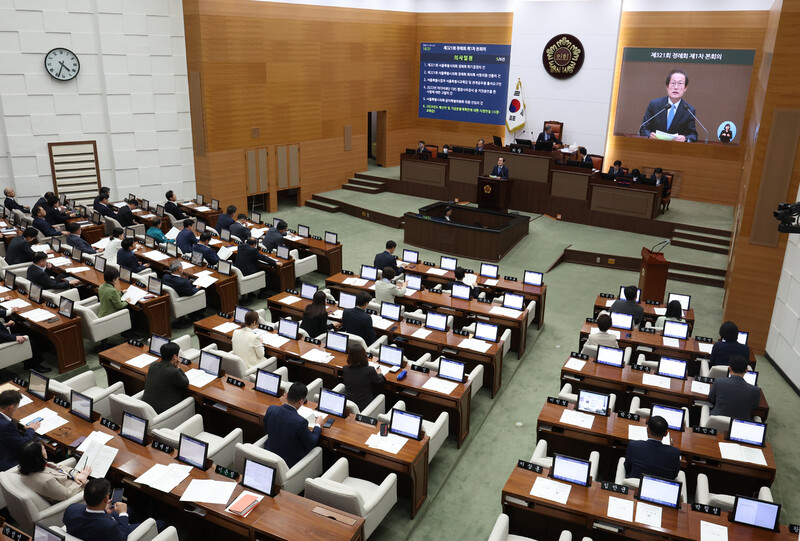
[(414, 282), (756, 513), (215, 204), (276, 221), (673, 416), (35, 292), (751, 377), (200, 226), (133, 428), (406, 424), (369, 273), (172, 250), (10, 279), (685, 300), (591, 402), (76, 254), (512, 300), (156, 341), (258, 477), (199, 199), (347, 300), (331, 238), (488, 270), (224, 267), (676, 329), (610, 356), (154, 285), (307, 291), (486, 331), (210, 363), (268, 383), (572, 470), (146, 205), (55, 243), (81, 405), (130, 233), (303, 231), (239, 313), (331, 402), (225, 234), (410, 256), (197, 258), (746, 431), (288, 328), (192, 451), (337, 341), (100, 263), (437, 322), (282, 252), (390, 311), (255, 217), (448, 263), (742, 338), (38, 385), (461, 291), (532, 278), (43, 533), (65, 307), (621, 321), (95, 217), (391, 355), (149, 241), (673, 368), (160, 210), (125, 274), (622, 294), (661, 491), (452, 370)]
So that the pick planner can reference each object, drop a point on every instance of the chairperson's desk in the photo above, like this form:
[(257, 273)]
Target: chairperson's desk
[(346, 437)]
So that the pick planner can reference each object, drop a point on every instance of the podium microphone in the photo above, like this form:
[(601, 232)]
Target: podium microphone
[(697, 119), (663, 244), (668, 106)]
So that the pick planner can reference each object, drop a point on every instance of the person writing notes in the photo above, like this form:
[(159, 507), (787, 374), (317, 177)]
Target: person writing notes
[(671, 114), (500, 170)]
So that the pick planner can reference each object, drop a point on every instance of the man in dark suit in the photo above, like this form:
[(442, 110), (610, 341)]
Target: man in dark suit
[(357, 321), (386, 259), (248, 256), (165, 384), (19, 249), (208, 252), (583, 155), (53, 215), (182, 286), (11, 203), (11, 441), (172, 208), (479, 145), (186, 239), (671, 114), (728, 345), (126, 258), (74, 239), (40, 223), (226, 220), (125, 213), (628, 305), (40, 272), (500, 170), (104, 209), (547, 135), (239, 229), (103, 191), (287, 431), (6, 336), (658, 178), (460, 274), (616, 170), (274, 236), (652, 457), (733, 396)]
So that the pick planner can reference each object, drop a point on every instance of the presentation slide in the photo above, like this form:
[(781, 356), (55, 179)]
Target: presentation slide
[(683, 95), (465, 82)]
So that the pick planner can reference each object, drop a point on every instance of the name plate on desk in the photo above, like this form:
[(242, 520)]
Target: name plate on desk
[(292, 291), (366, 419), (61, 402), (703, 379), (530, 466), (704, 430), (640, 368), (111, 425), (485, 301), (704, 339), (608, 296), (510, 278), (330, 301), (162, 447), (234, 381), (557, 401), (576, 355), (429, 263), (627, 415), (371, 312), (413, 321), (14, 534), (613, 487), (19, 381), (648, 330), (346, 272), (653, 303), (794, 528), (469, 271), (707, 509), (230, 474), (460, 333), (417, 368), (591, 320), (226, 316), (136, 343), (314, 341)]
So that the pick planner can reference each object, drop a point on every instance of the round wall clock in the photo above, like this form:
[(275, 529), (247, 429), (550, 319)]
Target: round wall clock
[(62, 64)]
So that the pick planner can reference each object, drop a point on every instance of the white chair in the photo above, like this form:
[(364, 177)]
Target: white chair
[(721, 422), (355, 496), (725, 502), (437, 430), (96, 328), (169, 418), (303, 266), (720, 371), (500, 532), (289, 479), (220, 448), (644, 413), (112, 223), (174, 222), (589, 349), (474, 378), (313, 387), (12, 353), (360, 341), (86, 383), (17, 269), (183, 306), (27, 507), (250, 284), (146, 531), (233, 365), (630, 482), (55, 295), (373, 409), (540, 458)]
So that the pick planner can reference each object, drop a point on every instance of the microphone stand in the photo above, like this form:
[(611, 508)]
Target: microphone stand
[(697, 119), (655, 115)]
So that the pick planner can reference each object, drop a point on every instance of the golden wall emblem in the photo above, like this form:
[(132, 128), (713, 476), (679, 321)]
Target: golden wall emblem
[(563, 56)]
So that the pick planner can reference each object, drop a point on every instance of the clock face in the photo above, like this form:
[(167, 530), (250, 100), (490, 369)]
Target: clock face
[(62, 64)]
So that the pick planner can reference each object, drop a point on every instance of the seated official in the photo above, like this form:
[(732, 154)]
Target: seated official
[(315, 315), (126, 258), (460, 275), (386, 289), (637, 176), (186, 239), (733, 396), (73, 238), (103, 191), (41, 224), (42, 201), (172, 208), (11, 203), (226, 220), (19, 249), (208, 252), (446, 149), (652, 457), (628, 305), (583, 155), (602, 338), (246, 345), (728, 345), (658, 178), (110, 297), (125, 213), (287, 431), (547, 135), (6, 336), (386, 259), (155, 231), (11, 440), (500, 170), (479, 145), (41, 273), (114, 244), (104, 209), (357, 321), (616, 170), (247, 260), (421, 147), (359, 377), (46, 479), (274, 236), (53, 215), (448, 214), (165, 384), (239, 229), (674, 313), (182, 286)]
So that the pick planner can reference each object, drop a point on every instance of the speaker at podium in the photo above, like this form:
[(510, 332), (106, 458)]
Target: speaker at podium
[(493, 193)]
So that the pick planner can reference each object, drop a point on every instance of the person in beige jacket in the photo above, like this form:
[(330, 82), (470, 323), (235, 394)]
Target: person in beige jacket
[(246, 345), (386, 290), (46, 479), (602, 338)]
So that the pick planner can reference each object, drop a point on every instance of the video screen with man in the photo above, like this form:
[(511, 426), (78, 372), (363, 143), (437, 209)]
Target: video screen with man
[(683, 95)]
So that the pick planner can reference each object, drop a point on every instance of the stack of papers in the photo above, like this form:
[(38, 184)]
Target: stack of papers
[(421, 333), (214, 242), (547, 489), (620, 509), (704, 347), (475, 345), (577, 418), (38, 315), (639, 433), (226, 327), (14, 303), (60, 261), (742, 453), (199, 378), (225, 252), (609, 302), (317, 356), (358, 282), (656, 381), (186, 265), (155, 255), (202, 208), (713, 532), (120, 204), (336, 314), (258, 232), (292, 237), (391, 443), (671, 342), (491, 282), (575, 364), (204, 281), (507, 312), (290, 299), (97, 456), (75, 270), (148, 215), (310, 415), (172, 234), (440, 385), (208, 491), (437, 272), (4, 289), (660, 311), (164, 477), (133, 294), (381, 323), (40, 248), (203, 273), (244, 503), (101, 244), (50, 420), (700, 388), (140, 361), (409, 292), (275, 340), (100, 437)]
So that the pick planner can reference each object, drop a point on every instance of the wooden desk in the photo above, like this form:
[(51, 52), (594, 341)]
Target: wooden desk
[(603, 303), (638, 200), (208, 216), (329, 256)]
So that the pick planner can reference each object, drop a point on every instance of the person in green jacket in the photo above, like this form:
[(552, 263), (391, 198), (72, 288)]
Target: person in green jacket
[(110, 297), (155, 232)]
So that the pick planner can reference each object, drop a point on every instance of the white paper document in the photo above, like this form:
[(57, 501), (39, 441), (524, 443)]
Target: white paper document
[(391, 443), (713, 532), (99, 457), (100, 437), (60, 261), (290, 299), (204, 281), (310, 415), (155, 255), (199, 378), (421, 333), (226, 327), (704, 347), (14, 303), (701, 388), (437, 272), (381, 323), (475, 345), (172, 234), (214, 242), (491, 282), (317, 356), (575, 364), (639, 433), (660, 311), (547, 489), (336, 314), (40, 248), (140, 361), (164, 477), (671, 342), (101, 244), (224, 252), (50, 420), (507, 312), (38, 315), (440, 385), (4, 289), (273, 339), (577, 418), (186, 265), (742, 453), (202, 208), (656, 381), (620, 509), (208, 491), (133, 295), (76, 270), (609, 302), (358, 282), (647, 514)]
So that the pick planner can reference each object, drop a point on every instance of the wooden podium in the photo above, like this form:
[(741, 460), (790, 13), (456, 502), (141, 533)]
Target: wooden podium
[(653, 275), (493, 193)]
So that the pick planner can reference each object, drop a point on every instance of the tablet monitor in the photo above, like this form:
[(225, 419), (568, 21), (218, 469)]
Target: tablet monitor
[(96, 218), (172, 250), (751, 377), (406, 424), (100, 263), (347, 300), (55, 243), (210, 363), (337, 341), (160, 210), (288, 328), (192, 451), (276, 221), (35, 293), (390, 310), (673, 416), (239, 313), (43, 533), (154, 285), (486, 331), (282, 252), (413, 282), (661, 491), (411, 256), (331, 238), (146, 205), (268, 383), (81, 405), (65, 307), (610, 356), (10, 279), (369, 273), (621, 321), (307, 291), (126, 275), (225, 234), (488, 270), (200, 226), (437, 322), (461, 291), (532, 278), (572, 470), (742, 430), (156, 341), (448, 263), (130, 233), (255, 217), (452, 370), (685, 300), (199, 199), (592, 402), (149, 241), (258, 477), (622, 294), (514, 301), (756, 513), (215, 204), (63, 198), (672, 368), (224, 267), (331, 402), (303, 231), (38, 385), (197, 258), (742, 338), (77, 255), (133, 428), (391, 355), (676, 329)]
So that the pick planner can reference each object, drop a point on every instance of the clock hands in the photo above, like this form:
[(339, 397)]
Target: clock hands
[(61, 68)]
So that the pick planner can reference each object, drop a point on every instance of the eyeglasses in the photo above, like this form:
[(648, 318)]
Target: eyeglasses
[(677, 83)]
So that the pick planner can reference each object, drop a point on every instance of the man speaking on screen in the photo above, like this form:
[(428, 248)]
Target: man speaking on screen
[(671, 117)]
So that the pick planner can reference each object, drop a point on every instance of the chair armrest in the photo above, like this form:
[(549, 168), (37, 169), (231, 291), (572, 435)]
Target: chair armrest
[(619, 477), (308, 466), (146, 531), (705, 367), (56, 511), (594, 460), (426, 358), (566, 394), (268, 364), (566, 536), (400, 405), (540, 451), (764, 493), (377, 406), (701, 492), (175, 415), (338, 472), (60, 389), (192, 426), (170, 436), (705, 413), (81, 382), (500, 530), (381, 340), (388, 485)]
